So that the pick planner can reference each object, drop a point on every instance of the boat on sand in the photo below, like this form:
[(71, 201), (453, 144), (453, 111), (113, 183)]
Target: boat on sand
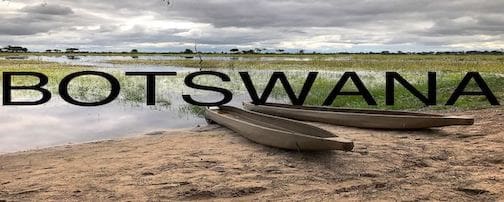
[(276, 131), (361, 118)]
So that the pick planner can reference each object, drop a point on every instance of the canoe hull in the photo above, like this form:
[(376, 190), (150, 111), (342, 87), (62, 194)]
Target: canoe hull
[(268, 130), (377, 119)]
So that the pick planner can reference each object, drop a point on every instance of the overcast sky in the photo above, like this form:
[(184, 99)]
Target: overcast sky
[(218, 25)]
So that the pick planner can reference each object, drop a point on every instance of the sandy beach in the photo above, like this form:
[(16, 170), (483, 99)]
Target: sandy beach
[(211, 162)]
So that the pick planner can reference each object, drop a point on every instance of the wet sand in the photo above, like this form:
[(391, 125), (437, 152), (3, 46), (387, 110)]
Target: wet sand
[(210, 162)]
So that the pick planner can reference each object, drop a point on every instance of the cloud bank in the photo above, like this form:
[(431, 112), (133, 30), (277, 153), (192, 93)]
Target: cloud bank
[(218, 25)]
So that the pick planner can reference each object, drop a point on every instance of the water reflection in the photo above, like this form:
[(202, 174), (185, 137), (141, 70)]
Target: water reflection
[(57, 122), (16, 57), (103, 59)]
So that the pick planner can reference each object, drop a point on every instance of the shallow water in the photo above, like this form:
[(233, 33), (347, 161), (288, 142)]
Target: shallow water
[(57, 122), (101, 60)]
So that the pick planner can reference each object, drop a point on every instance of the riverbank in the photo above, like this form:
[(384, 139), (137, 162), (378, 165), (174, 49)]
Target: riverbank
[(453, 163)]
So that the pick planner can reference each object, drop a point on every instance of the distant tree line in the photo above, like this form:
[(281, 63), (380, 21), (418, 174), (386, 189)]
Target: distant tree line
[(14, 49), (486, 52), (20, 49), (301, 51)]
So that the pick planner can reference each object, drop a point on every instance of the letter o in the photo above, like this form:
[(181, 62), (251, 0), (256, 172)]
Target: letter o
[(63, 88)]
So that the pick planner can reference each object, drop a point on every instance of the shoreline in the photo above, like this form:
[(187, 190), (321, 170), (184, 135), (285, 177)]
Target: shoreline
[(210, 163), (197, 126), (70, 144)]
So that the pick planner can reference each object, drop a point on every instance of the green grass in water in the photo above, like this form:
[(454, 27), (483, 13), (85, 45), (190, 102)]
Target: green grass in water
[(450, 63)]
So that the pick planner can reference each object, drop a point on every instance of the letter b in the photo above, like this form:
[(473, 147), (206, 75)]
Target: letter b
[(7, 88)]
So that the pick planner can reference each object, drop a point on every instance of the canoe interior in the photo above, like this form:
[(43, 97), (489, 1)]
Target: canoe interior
[(277, 131), (348, 110), (362, 118), (272, 122)]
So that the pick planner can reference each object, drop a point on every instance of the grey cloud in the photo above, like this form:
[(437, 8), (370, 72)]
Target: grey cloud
[(223, 24), (287, 13), (137, 34), (48, 9), (41, 18), (26, 25), (10, 28), (488, 25)]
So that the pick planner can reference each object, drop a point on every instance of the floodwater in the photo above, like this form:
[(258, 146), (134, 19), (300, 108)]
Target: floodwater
[(57, 122)]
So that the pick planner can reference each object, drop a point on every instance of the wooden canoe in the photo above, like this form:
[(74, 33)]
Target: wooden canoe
[(361, 118), (277, 131)]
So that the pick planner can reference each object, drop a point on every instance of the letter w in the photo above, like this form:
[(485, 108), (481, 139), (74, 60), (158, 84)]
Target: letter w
[(285, 83)]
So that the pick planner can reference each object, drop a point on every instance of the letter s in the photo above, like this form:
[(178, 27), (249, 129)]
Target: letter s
[(228, 96)]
